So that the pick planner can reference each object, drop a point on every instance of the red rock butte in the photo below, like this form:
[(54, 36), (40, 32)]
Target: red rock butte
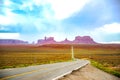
[(77, 40)]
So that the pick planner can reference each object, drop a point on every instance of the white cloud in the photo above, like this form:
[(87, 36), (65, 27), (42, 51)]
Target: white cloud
[(104, 32), (39, 2), (112, 42), (66, 8), (5, 20), (12, 18), (25, 5), (58, 9), (110, 28), (52, 10), (9, 35), (7, 2)]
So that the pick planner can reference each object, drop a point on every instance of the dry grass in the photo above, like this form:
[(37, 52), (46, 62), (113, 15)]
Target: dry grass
[(25, 59)]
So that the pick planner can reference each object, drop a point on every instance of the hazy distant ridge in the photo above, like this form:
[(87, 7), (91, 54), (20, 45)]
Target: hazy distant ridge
[(12, 41)]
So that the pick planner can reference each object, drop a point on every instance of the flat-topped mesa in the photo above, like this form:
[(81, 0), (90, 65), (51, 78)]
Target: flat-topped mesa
[(84, 40), (46, 40), (12, 41)]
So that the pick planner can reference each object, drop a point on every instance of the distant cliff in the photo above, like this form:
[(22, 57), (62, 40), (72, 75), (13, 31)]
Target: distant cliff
[(12, 41), (78, 40)]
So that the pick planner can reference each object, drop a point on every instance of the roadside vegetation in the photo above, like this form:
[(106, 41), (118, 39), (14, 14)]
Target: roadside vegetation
[(102, 67)]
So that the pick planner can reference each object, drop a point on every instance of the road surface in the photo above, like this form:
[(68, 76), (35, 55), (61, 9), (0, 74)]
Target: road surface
[(42, 72)]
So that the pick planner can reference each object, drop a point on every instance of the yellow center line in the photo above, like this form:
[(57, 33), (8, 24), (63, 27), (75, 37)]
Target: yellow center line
[(21, 74)]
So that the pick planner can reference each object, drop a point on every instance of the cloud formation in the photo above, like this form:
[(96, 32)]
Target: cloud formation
[(60, 18), (66, 8), (110, 28), (9, 36), (107, 33)]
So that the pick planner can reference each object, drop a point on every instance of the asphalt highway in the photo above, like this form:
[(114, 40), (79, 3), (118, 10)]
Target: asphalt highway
[(42, 72)]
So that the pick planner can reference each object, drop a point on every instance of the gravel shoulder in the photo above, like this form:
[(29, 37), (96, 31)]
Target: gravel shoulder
[(89, 73)]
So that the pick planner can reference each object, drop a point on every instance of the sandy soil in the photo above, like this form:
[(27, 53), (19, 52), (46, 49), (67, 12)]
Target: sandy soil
[(89, 73)]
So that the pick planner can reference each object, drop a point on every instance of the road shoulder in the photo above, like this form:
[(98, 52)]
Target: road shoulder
[(89, 73)]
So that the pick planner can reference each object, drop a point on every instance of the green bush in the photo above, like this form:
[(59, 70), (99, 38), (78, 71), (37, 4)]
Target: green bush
[(4, 67)]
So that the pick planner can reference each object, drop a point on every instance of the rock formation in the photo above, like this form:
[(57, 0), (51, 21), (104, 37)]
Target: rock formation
[(78, 40), (83, 40), (47, 40), (12, 41)]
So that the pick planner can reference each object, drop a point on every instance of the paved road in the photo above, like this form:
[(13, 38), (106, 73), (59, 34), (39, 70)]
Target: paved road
[(42, 72)]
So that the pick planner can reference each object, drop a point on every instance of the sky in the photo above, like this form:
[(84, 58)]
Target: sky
[(34, 19)]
